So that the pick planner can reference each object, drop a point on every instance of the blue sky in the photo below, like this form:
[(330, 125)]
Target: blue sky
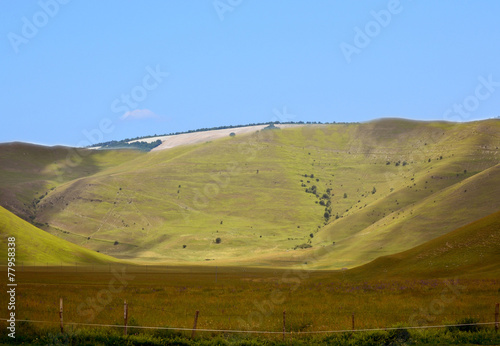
[(79, 72)]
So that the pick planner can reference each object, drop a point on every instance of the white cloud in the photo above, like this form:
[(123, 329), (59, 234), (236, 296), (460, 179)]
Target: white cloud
[(139, 114)]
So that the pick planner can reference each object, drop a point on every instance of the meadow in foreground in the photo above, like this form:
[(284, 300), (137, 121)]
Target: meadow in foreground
[(230, 298)]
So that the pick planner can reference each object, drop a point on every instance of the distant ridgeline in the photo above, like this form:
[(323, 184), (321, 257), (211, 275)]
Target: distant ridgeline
[(142, 146), (124, 144)]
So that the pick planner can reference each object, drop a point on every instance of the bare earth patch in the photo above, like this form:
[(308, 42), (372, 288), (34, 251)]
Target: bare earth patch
[(204, 136)]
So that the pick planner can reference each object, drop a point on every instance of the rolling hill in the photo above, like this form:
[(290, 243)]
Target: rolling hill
[(472, 250), (334, 196), (28, 172), (36, 246)]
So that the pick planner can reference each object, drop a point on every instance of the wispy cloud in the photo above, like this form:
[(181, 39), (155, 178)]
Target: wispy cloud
[(139, 114)]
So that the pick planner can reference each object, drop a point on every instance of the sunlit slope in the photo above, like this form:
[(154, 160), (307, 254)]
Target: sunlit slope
[(234, 189), (28, 171), (250, 191), (36, 246), (471, 251)]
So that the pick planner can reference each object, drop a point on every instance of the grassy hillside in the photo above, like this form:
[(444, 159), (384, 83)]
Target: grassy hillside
[(28, 172), (330, 195), (36, 246), (471, 251)]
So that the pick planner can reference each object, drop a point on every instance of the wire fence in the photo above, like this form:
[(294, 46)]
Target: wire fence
[(262, 331)]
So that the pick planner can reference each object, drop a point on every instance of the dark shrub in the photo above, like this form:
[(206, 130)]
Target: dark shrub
[(467, 324), (400, 335)]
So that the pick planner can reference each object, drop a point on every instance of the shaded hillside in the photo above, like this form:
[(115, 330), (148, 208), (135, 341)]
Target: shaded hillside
[(28, 172)]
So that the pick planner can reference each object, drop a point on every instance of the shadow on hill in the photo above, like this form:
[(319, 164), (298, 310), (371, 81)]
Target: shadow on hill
[(29, 172)]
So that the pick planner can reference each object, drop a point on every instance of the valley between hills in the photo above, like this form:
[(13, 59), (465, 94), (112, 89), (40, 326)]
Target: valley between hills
[(320, 196)]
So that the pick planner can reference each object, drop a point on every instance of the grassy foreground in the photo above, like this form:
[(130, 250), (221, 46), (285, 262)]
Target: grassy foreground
[(390, 337), (246, 299)]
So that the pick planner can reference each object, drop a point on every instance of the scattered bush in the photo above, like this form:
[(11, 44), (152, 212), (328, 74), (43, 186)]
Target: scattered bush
[(271, 127), (312, 189), (302, 246), (218, 240)]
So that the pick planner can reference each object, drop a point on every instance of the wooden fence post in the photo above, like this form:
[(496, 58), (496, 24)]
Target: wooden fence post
[(125, 316), (195, 323), (497, 308), (352, 317), (284, 324), (61, 314)]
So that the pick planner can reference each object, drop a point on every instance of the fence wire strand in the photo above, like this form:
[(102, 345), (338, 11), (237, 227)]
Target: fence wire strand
[(259, 331)]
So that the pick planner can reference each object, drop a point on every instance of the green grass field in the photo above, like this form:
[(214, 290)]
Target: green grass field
[(244, 299)]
